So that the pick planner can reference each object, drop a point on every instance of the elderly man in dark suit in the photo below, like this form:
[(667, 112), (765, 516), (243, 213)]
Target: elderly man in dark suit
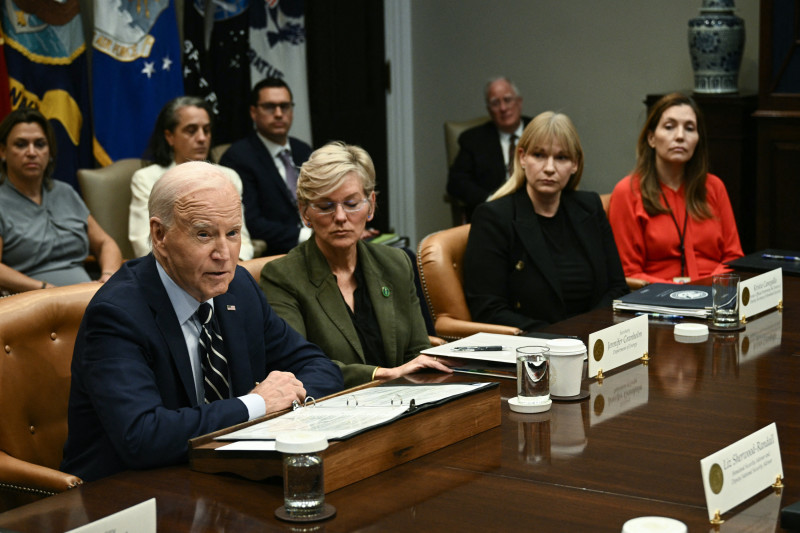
[(268, 160), (182, 342), (483, 162)]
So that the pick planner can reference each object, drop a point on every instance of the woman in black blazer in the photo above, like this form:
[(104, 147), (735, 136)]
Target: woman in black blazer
[(540, 251)]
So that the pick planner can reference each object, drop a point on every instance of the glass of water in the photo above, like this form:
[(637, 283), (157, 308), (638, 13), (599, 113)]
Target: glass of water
[(533, 374), (725, 301)]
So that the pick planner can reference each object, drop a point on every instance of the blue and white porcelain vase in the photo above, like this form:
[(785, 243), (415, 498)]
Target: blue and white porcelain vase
[(716, 43)]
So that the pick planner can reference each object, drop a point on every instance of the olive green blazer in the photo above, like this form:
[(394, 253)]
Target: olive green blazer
[(302, 290)]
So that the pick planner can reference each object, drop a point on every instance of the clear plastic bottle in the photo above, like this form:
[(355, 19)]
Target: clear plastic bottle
[(303, 484), (303, 476)]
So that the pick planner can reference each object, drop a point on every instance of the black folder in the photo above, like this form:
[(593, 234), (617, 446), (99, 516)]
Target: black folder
[(758, 263)]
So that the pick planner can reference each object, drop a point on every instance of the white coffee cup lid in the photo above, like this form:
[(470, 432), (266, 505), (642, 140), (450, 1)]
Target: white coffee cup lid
[(690, 329), (654, 524), (300, 441), (566, 346)]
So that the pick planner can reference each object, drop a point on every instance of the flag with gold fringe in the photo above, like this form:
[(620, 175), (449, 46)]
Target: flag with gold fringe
[(45, 52)]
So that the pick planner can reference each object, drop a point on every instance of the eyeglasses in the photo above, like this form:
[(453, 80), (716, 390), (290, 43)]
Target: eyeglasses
[(269, 107), (329, 208), (494, 103)]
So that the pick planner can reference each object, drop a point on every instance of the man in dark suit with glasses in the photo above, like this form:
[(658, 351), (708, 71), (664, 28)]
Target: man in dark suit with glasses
[(268, 161)]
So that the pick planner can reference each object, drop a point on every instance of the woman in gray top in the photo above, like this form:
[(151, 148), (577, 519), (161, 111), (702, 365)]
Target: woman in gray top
[(46, 231)]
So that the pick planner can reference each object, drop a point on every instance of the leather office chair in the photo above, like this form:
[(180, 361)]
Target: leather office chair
[(217, 151), (107, 193), (37, 336), (440, 258), (606, 201), (452, 130), (255, 265)]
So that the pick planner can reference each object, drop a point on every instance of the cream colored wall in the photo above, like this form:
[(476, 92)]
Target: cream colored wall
[(593, 60)]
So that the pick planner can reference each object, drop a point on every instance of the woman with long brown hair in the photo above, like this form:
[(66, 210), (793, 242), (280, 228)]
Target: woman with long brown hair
[(672, 220)]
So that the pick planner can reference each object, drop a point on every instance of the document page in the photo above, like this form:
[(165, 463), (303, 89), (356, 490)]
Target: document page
[(348, 414)]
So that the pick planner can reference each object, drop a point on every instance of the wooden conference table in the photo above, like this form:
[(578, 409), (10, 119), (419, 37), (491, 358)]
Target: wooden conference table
[(633, 448)]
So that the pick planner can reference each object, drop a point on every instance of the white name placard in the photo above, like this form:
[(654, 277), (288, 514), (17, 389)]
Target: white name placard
[(617, 394), (618, 345), (741, 470), (760, 293), (140, 518)]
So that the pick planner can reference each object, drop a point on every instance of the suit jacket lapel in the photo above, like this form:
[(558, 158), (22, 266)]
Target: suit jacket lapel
[(381, 294), (493, 140), (526, 224), (235, 337), (167, 322), (330, 298), (268, 163)]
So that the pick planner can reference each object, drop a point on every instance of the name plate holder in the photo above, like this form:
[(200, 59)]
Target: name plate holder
[(618, 345), (740, 471), (760, 294)]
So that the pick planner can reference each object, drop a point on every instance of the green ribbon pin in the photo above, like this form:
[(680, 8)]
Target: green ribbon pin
[(386, 291)]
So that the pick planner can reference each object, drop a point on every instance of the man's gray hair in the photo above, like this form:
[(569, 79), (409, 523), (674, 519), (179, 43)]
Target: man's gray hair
[(177, 182), (490, 81)]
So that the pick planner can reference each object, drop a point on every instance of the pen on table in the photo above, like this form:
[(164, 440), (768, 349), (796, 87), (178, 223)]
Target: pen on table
[(780, 257), (478, 349), (660, 316)]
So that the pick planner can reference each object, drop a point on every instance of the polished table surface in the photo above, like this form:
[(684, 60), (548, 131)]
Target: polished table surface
[(633, 448)]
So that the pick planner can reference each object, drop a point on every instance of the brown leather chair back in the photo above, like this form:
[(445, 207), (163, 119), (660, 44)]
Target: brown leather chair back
[(255, 265), (440, 258), (37, 336)]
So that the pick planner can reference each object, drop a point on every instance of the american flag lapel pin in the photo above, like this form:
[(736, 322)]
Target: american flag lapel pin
[(230, 307)]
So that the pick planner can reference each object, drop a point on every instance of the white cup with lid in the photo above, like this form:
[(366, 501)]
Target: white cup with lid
[(654, 524), (566, 366)]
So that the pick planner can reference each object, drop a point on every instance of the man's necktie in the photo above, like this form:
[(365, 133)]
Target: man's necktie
[(512, 145), (291, 171), (212, 356)]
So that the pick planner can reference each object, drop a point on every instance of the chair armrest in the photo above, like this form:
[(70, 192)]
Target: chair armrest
[(454, 328), (259, 247), (23, 476)]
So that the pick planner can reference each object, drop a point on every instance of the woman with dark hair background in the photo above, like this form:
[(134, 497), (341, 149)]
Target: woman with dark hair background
[(46, 231), (672, 220), (182, 133)]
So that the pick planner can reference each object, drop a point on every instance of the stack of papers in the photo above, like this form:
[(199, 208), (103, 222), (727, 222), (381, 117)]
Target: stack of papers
[(491, 347), (351, 413)]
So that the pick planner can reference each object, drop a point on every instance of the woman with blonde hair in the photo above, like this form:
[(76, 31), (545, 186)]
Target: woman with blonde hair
[(539, 250), (673, 220), (355, 300)]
